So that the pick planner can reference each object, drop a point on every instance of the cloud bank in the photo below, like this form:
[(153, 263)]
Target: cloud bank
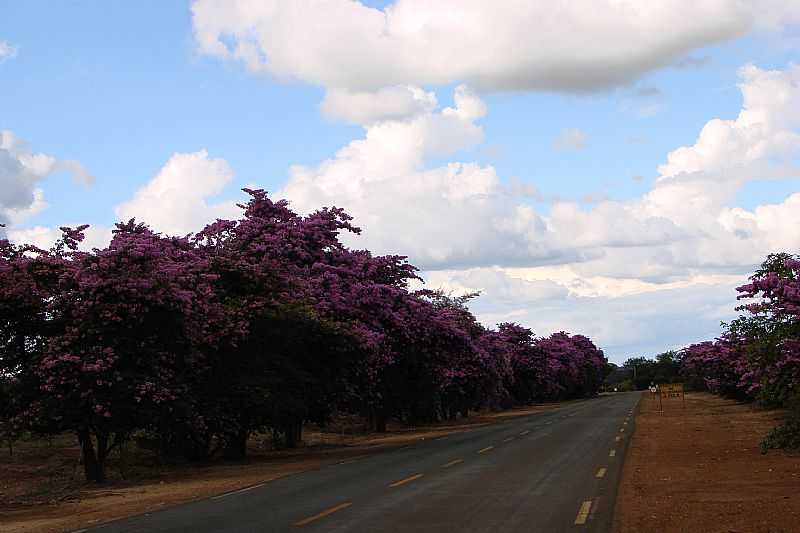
[(571, 45)]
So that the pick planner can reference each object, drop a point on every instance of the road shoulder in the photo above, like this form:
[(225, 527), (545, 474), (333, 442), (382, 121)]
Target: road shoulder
[(699, 468)]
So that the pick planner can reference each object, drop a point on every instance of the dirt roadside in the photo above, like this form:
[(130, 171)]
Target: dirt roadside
[(699, 469), (41, 490)]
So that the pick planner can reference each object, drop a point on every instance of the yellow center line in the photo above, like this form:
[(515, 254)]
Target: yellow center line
[(583, 513), (601, 472), (323, 514), (406, 480), (486, 449), (452, 463), (612, 453)]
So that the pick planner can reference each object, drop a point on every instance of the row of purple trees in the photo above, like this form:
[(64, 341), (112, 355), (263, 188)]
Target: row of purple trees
[(253, 325), (757, 357)]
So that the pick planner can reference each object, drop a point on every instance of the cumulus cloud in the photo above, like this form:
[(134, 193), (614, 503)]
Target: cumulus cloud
[(455, 214), (176, 200), (461, 214), (21, 171), (389, 103), (7, 51), (571, 45), (571, 139)]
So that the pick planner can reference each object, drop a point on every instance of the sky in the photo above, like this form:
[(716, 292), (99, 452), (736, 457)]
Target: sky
[(581, 167)]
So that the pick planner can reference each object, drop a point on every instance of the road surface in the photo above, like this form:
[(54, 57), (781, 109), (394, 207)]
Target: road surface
[(552, 471)]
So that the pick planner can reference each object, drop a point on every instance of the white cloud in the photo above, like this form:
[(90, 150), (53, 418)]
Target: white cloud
[(21, 171), (389, 103), (760, 142), (571, 139), (456, 214), (45, 237), (626, 318), (570, 45), (7, 51), (461, 215), (176, 200)]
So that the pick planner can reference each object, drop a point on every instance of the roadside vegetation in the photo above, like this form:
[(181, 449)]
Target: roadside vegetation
[(639, 373), (757, 357), (189, 346)]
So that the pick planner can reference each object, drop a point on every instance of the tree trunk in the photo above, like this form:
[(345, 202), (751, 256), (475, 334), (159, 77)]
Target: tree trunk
[(293, 431), (380, 420), (92, 467), (236, 445)]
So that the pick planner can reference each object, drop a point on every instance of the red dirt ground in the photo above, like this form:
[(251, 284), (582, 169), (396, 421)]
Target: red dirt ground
[(700, 469)]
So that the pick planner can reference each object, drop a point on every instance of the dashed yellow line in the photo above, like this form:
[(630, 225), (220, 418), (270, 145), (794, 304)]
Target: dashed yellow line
[(583, 513), (601, 473), (452, 463), (488, 448), (323, 514), (409, 479)]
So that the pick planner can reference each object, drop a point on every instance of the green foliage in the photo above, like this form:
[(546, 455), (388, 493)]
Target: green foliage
[(664, 369), (787, 435)]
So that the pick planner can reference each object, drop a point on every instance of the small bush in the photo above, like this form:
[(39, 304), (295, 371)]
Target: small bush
[(787, 435)]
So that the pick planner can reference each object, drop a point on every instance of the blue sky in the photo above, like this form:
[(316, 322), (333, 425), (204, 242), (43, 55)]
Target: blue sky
[(123, 88)]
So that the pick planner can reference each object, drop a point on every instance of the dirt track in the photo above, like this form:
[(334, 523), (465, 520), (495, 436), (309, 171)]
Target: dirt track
[(700, 469)]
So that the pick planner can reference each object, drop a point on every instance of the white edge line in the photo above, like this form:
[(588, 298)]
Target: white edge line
[(238, 491)]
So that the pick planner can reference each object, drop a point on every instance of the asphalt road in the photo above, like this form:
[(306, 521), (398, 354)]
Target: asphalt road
[(540, 472)]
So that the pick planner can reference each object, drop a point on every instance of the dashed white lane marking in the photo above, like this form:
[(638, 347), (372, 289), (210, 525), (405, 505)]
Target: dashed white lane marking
[(509, 439), (601, 473), (523, 433), (484, 450), (452, 463), (612, 453), (617, 438)]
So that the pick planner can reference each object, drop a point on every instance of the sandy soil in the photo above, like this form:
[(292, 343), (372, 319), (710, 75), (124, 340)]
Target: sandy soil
[(700, 469), (41, 489)]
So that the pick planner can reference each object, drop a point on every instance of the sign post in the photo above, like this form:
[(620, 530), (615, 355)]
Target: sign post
[(671, 390)]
